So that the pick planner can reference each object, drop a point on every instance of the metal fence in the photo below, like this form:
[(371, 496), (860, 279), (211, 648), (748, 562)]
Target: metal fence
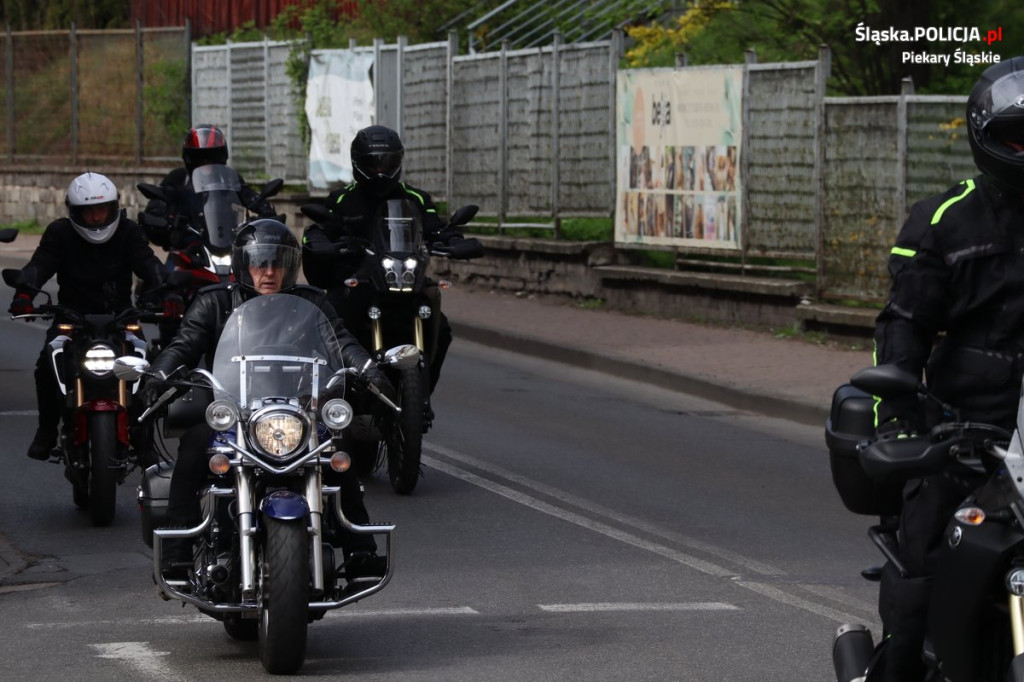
[(93, 96), (525, 134)]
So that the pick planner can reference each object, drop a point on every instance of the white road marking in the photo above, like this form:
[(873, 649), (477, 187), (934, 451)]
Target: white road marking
[(587, 505), (139, 657), (389, 613), (701, 565), (633, 606), (19, 413)]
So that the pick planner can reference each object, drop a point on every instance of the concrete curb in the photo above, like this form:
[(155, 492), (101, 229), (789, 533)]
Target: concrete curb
[(741, 399)]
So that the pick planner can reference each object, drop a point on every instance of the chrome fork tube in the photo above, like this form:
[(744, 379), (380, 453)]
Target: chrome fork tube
[(314, 498), (378, 335), (246, 529), (418, 332), (1017, 624)]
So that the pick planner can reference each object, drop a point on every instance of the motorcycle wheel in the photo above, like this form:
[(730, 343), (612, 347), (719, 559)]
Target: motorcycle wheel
[(284, 596), (404, 441), (103, 474)]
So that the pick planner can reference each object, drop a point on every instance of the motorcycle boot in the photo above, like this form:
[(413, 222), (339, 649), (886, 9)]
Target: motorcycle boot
[(43, 444)]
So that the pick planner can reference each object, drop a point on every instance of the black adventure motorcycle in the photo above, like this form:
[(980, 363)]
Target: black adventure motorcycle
[(394, 283), (975, 620), (261, 563), (95, 443)]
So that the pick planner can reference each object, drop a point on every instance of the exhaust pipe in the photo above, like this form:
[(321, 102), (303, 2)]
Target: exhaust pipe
[(852, 649)]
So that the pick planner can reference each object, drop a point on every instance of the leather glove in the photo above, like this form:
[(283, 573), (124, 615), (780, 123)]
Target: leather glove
[(22, 305), (174, 306), (150, 390), (383, 384)]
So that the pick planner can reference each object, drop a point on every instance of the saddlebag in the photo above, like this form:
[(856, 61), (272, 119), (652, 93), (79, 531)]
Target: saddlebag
[(851, 421), (153, 493)]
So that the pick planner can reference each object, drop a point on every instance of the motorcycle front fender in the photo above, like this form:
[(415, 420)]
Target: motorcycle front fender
[(284, 505)]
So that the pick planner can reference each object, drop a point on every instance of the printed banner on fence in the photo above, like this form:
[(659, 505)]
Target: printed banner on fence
[(678, 140), (339, 102)]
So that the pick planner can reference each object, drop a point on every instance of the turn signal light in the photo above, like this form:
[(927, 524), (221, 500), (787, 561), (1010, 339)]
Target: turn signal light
[(220, 464), (340, 461), (970, 516)]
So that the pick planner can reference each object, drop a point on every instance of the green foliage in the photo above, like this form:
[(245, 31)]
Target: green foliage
[(719, 32), (164, 98), (26, 15)]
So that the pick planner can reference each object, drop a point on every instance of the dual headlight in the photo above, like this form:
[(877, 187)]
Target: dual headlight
[(400, 275)]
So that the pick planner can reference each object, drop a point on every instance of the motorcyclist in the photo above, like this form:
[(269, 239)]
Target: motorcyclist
[(162, 220), (265, 259), (377, 154), (956, 268), (94, 252)]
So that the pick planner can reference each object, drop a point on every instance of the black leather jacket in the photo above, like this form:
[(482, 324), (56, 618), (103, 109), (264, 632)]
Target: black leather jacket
[(956, 307), (93, 278), (204, 321)]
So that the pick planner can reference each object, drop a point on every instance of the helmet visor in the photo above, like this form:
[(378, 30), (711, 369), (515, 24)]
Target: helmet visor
[(1005, 99), (386, 164), (94, 217), (270, 256)]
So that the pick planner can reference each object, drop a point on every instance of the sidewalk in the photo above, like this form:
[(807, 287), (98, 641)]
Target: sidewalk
[(749, 370)]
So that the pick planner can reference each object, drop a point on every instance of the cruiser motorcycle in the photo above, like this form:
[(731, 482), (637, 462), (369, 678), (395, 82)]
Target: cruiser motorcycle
[(95, 443), (975, 620), (393, 281), (261, 563)]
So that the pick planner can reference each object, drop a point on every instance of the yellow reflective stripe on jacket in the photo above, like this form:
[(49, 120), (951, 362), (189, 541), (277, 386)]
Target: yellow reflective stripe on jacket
[(899, 251), (942, 209)]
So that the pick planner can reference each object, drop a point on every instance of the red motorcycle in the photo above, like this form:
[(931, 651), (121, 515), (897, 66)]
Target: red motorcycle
[(95, 434)]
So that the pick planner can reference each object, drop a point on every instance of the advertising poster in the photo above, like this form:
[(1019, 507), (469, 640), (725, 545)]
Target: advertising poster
[(678, 140), (339, 103)]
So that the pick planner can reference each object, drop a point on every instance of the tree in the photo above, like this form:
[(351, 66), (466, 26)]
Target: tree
[(718, 32)]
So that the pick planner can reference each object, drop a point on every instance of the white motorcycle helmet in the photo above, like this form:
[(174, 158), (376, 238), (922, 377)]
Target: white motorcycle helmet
[(93, 207)]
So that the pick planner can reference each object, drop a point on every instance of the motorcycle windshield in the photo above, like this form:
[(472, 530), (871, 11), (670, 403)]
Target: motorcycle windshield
[(276, 346), (398, 228), (217, 186)]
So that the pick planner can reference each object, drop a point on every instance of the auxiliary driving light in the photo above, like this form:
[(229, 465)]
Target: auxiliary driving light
[(336, 413), (1015, 582), (221, 415)]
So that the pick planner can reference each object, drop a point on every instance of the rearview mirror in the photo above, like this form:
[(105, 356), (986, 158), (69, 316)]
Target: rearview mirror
[(405, 356), (130, 368)]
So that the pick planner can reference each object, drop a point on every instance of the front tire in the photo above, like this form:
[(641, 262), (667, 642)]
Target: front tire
[(103, 472), (404, 440), (284, 596)]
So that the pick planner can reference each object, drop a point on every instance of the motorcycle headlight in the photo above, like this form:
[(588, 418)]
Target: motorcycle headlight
[(277, 433), (336, 414), (99, 360), (221, 415)]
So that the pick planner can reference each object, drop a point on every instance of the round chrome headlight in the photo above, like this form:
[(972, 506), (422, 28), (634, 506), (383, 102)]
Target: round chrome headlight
[(277, 433), (99, 360), (336, 414), (221, 415)]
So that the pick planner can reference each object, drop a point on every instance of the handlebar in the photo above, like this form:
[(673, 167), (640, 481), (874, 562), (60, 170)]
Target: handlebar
[(919, 455)]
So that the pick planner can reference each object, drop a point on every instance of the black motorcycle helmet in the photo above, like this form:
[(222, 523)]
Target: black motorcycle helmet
[(265, 242), (995, 123), (377, 153), (203, 144)]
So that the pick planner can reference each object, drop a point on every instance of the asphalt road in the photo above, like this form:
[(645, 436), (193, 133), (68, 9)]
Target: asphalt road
[(570, 526)]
